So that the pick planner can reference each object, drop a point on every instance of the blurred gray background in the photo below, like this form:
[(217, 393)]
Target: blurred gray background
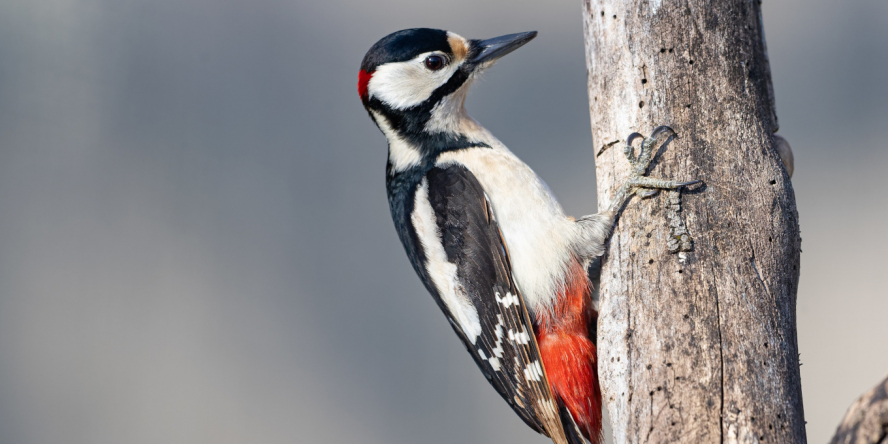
[(195, 244)]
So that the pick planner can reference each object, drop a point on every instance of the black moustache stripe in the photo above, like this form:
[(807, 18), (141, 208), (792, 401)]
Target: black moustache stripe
[(410, 123)]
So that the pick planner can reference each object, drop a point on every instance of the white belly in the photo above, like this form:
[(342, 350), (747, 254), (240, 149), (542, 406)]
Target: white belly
[(539, 237)]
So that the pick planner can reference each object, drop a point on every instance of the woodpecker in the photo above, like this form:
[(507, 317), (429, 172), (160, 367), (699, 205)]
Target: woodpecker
[(485, 234)]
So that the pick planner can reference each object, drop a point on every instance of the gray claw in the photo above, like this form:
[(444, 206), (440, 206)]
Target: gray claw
[(629, 151), (645, 193), (632, 137), (662, 129)]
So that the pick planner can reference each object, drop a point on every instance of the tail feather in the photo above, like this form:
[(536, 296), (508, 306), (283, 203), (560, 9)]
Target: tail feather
[(571, 429)]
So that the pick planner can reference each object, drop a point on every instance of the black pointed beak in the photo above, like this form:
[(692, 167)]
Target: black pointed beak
[(488, 51)]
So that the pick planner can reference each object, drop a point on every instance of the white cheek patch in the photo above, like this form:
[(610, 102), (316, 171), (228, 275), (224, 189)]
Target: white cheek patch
[(442, 272), (402, 85)]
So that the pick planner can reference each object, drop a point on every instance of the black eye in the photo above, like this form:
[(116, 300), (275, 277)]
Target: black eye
[(435, 62)]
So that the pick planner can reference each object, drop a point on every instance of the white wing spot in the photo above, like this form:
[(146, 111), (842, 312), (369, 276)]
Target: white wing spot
[(494, 362), (498, 330), (533, 372), (510, 299), (521, 337)]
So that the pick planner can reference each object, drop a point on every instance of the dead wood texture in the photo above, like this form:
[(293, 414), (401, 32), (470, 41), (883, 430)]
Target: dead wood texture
[(866, 421), (698, 346)]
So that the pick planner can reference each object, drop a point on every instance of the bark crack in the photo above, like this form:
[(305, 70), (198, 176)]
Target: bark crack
[(758, 273), (721, 357)]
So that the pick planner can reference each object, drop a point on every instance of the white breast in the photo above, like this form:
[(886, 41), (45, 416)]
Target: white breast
[(539, 237)]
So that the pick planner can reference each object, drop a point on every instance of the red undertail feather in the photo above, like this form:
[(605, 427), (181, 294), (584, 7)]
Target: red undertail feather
[(569, 355)]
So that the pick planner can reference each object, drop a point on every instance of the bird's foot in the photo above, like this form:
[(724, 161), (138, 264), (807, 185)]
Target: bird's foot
[(637, 179), (639, 184)]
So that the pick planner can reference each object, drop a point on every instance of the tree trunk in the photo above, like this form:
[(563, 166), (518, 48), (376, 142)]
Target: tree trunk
[(866, 421), (698, 346)]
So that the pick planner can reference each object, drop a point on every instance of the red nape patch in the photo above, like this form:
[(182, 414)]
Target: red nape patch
[(569, 355), (363, 80)]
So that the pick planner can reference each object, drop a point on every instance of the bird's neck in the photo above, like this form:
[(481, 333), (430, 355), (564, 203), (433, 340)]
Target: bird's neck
[(449, 128)]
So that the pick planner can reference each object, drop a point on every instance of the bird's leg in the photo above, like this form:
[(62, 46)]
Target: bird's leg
[(597, 227)]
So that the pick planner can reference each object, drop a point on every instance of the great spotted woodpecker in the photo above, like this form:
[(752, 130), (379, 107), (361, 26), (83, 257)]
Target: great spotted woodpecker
[(484, 233)]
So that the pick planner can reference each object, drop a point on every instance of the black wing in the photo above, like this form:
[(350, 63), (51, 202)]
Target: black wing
[(468, 271)]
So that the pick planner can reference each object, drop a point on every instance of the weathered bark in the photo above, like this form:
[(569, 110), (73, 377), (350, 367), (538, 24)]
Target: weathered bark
[(698, 346), (866, 421)]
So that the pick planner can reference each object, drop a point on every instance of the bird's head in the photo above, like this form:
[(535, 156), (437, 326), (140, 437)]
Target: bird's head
[(413, 82)]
